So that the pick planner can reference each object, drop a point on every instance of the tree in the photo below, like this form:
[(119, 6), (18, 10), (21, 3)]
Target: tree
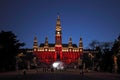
[(116, 51), (101, 45), (116, 46), (94, 44), (9, 47), (104, 56), (107, 62), (106, 45)]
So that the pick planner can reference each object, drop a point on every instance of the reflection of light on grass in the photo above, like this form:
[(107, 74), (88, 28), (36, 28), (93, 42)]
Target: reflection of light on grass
[(58, 65)]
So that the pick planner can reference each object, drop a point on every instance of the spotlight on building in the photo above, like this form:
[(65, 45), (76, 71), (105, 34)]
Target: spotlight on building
[(58, 65)]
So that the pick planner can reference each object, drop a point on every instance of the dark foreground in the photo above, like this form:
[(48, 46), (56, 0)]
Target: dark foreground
[(70, 75)]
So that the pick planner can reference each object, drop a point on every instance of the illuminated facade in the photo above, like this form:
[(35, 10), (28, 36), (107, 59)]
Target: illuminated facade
[(50, 52)]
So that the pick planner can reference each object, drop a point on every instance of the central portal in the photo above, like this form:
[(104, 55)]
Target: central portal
[(58, 56)]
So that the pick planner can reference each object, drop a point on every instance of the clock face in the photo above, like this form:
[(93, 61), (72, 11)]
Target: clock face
[(58, 32)]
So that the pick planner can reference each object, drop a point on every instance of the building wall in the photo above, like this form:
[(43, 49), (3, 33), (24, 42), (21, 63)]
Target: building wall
[(66, 55)]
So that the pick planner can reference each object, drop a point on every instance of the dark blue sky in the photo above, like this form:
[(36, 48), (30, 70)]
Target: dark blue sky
[(89, 19)]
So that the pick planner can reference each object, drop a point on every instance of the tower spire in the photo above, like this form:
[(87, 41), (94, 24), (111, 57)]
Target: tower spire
[(46, 41), (58, 25), (35, 43), (70, 42), (58, 15), (80, 45)]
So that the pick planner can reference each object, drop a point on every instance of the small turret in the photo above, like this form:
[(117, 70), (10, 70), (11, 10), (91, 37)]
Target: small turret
[(46, 42), (80, 45), (70, 42), (35, 44)]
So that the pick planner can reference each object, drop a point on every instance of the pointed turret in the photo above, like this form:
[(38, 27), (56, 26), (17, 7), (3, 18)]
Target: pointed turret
[(58, 21), (35, 44), (46, 42), (70, 42), (80, 45), (58, 25)]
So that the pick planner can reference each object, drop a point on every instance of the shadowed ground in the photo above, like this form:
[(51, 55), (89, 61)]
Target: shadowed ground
[(69, 75)]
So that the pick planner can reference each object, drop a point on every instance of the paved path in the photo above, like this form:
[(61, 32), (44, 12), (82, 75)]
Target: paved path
[(41, 76), (71, 75), (103, 76)]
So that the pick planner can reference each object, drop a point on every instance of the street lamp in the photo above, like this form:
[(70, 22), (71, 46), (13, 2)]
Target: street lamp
[(91, 58), (81, 65), (115, 64)]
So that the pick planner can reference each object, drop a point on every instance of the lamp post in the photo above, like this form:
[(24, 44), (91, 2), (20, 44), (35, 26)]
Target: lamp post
[(80, 65), (115, 64), (91, 58)]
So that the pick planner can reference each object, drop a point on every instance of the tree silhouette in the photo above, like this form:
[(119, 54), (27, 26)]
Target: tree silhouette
[(116, 51), (94, 44), (9, 47), (103, 58)]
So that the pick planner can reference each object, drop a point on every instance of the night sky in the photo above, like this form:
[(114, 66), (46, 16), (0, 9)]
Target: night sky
[(89, 19)]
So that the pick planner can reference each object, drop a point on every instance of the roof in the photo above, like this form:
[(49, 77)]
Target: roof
[(53, 45), (66, 45), (50, 45)]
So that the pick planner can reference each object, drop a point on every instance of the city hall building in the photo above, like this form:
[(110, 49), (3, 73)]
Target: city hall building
[(57, 51)]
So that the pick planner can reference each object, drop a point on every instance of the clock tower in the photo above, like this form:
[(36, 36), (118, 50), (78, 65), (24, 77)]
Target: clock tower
[(58, 39), (58, 33)]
